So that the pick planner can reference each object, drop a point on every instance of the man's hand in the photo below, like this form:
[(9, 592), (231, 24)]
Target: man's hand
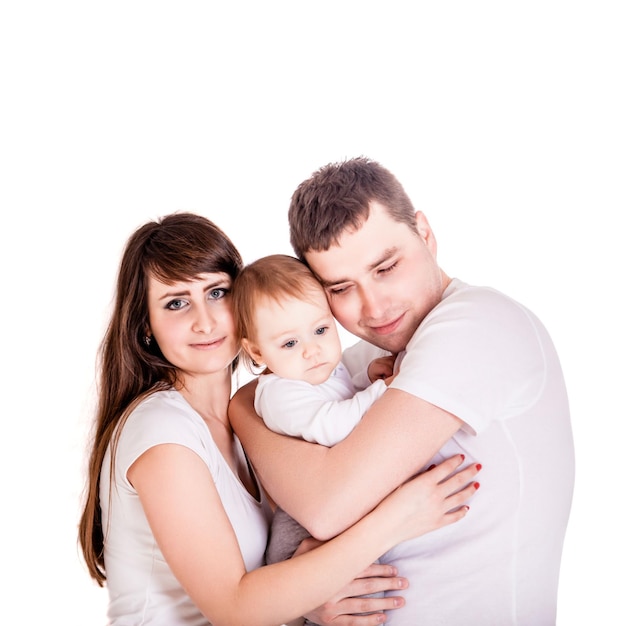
[(347, 608)]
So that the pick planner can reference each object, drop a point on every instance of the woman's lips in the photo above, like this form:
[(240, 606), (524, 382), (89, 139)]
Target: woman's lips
[(207, 345)]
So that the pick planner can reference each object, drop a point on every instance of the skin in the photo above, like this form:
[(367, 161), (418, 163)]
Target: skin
[(381, 280), (192, 323), (297, 339)]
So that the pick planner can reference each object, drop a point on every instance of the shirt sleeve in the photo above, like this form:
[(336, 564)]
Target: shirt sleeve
[(159, 420), (298, 409), (477, 355)]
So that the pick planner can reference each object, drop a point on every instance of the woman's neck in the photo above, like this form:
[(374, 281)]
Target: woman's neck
[(208, 395)]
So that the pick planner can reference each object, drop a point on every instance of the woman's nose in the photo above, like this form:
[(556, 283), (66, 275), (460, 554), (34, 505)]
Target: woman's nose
[(203, 322)]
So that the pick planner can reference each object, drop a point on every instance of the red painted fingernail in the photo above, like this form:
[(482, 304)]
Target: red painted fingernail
[(476, 485), (463, 457), (479, 466)]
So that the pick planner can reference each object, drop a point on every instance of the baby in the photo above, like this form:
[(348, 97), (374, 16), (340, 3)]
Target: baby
[(285, 326)]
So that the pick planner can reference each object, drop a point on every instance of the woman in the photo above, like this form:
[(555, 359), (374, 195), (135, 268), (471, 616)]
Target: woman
[(174, 520)]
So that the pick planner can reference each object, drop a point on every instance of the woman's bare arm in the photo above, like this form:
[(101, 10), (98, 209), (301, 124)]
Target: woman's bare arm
[(194, 534), (329, 489)]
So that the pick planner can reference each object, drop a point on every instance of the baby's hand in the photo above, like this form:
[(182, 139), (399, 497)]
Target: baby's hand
[(381, 367)]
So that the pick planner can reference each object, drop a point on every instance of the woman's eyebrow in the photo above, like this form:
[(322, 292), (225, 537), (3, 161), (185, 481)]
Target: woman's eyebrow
[(187, 292), (174, 294)]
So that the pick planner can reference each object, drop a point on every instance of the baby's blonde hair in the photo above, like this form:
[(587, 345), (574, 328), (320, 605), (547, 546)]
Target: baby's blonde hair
[(273, 278)]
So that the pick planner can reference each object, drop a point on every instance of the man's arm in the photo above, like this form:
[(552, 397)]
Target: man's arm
[(329, 489)]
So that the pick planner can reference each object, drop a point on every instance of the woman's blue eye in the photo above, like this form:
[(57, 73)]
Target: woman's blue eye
[(175, 305), (217, 294)]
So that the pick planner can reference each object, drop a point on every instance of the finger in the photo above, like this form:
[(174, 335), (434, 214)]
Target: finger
[(445, 472), (379, 569), (455, 515), (362, 611), (444, 469), (365, 586), (458, 481), (371, 619), (460, 497)]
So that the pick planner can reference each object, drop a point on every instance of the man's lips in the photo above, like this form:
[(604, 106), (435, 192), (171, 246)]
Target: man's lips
[(387, 328)]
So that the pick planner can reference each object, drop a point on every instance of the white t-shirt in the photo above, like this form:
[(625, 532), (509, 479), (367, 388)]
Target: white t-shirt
[(324, 413), (142, 588), (486, 359)]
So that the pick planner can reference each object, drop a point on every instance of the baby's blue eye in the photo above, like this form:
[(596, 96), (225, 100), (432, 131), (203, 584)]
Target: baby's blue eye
[(321, 330), (289, 344)]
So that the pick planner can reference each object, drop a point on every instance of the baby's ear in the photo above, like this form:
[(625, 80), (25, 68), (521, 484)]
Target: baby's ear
[(253, 351)]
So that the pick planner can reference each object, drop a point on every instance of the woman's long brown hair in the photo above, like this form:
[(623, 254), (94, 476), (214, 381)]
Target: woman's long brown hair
[(177, 247)]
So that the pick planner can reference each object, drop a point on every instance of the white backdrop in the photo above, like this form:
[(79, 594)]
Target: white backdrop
[(505, 122)]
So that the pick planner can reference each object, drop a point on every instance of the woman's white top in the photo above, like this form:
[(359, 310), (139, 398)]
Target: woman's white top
[(142, 588)]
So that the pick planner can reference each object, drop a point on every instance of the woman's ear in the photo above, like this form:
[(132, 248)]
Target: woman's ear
[(252, 351)]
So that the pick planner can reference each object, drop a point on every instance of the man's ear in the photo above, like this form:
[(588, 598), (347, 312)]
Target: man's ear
[(252, 350), (425, 232)]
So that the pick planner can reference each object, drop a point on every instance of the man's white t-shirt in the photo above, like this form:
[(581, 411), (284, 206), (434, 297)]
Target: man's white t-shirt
[(142, 588), (488, 360)]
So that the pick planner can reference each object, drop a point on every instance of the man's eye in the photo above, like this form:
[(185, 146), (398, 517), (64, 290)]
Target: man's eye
[(338, 291), (384, 270), (289, 344)]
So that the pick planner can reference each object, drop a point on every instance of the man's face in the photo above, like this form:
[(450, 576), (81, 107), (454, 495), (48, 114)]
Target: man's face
[(382, 279)]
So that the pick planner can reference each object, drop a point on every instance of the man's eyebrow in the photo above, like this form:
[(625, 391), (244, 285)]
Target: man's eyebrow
[(383, 258)]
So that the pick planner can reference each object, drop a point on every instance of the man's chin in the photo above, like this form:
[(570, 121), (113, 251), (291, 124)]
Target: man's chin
[(393, 344)]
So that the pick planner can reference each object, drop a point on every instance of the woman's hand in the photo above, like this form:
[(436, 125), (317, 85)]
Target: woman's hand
[(433, 499)]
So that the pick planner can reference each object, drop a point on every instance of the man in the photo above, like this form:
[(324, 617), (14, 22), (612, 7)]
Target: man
[(478, 374)]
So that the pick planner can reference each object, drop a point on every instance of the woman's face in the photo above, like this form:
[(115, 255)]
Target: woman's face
[(192, 323)]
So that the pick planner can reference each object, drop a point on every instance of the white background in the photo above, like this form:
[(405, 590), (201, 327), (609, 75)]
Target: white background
[(505, 122)]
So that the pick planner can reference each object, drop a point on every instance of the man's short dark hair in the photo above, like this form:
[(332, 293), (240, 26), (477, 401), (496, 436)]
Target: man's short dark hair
[(337, 198)]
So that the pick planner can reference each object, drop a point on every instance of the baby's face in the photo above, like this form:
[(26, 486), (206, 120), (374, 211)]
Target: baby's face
[(297, 338)]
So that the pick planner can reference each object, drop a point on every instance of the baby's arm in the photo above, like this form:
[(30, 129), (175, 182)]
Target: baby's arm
[(295, 408)]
